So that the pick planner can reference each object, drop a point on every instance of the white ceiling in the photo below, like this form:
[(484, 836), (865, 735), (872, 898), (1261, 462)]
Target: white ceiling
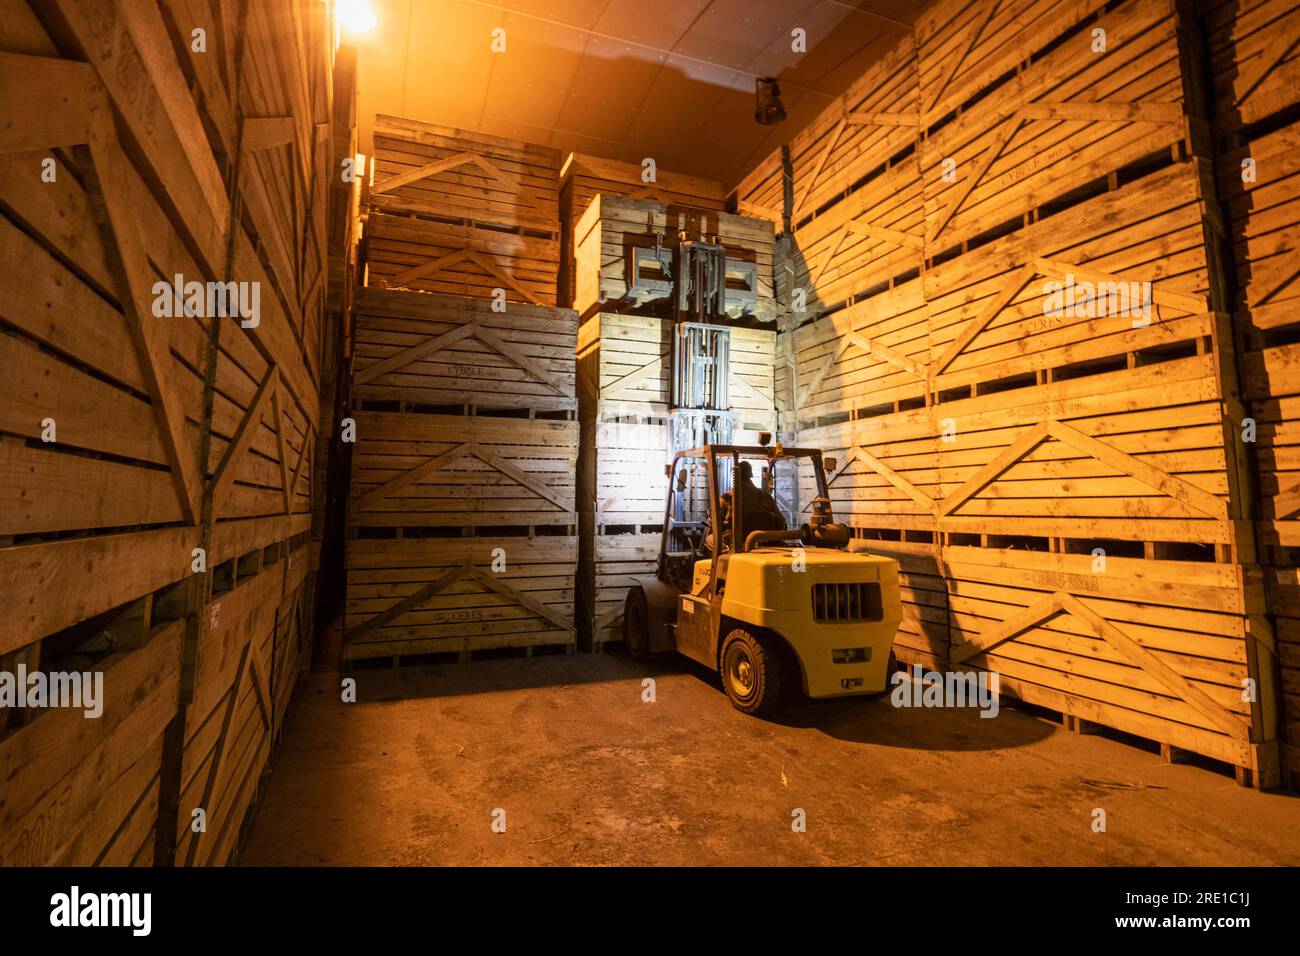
[(624, 79)]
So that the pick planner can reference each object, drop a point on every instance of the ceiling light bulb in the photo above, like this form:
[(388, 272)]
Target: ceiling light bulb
[(355, 16)]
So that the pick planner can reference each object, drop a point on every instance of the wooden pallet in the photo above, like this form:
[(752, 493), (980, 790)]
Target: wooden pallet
[(457, 174), (1254, 59), (582, 177), (412, 470), (422, 596), (1067, 118), (450, 350), (612, 228)]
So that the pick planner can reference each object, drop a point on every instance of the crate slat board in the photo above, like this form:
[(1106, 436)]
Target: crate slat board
[(624, 393), (582, 177), (1069, 118), (110, 500), (419, 596), (412, 469), (611, 228), (451, 350), (1254, 59)]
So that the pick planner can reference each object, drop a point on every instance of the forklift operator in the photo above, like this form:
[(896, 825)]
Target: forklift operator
[(760, 511)]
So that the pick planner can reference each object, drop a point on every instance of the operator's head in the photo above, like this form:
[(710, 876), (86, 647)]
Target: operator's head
[(746, 471)]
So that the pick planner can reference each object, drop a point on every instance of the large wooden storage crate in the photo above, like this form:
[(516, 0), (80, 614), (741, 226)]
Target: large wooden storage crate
[(463, 213), (583, 177), (615, 240)]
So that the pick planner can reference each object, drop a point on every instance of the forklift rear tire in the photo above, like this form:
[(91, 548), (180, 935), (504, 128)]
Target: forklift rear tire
[(636, 625), (750, 668)]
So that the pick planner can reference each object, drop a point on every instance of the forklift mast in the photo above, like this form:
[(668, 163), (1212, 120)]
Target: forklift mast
[(699, 413)]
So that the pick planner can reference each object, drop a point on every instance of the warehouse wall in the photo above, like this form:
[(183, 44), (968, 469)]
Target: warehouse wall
[(1068, 489), (157, 450)]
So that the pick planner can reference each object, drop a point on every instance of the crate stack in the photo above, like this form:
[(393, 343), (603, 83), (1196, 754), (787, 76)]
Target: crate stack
[(624, 388), (1255, 62), (584, 177), (462, 213), (159, 463), (462, 516), (1063, 483)]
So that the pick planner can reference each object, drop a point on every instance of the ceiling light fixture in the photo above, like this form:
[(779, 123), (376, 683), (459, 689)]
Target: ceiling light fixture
[(355, 16), (768, 109)]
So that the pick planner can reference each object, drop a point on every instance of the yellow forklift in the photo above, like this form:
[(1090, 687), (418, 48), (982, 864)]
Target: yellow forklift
[(763, 606)]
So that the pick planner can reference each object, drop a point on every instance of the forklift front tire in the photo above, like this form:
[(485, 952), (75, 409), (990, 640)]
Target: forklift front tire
[(636, 625), (750, 668)]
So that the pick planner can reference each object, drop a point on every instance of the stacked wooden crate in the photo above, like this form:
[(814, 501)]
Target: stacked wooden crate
[(462, 513), (1255, 61), (583, 177), (1064, 487), (462, 213), (616, 240), (158, 450), (624, 385)]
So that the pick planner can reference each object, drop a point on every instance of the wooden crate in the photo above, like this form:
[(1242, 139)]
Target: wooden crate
[(143, 132), (611, 560), (449, 350), (1069, 118), (995, 313), (461, 176), (872, 355), (1254, 60), (421, 470), (871, 239), (761, 194), (1264, 223), (1160, 649), (417, 596), (82, 792), (582, 177), (239, 691), (965, 46), (612, 228), (871, 127), (428, 255)]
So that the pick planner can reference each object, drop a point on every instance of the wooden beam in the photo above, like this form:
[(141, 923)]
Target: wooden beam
[(1027, 440), (410, 602), (413, 476), (244, 434), (1013, 626), (415, 353), (46, 102)]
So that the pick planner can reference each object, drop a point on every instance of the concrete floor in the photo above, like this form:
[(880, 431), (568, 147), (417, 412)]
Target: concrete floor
[(588, 774)]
